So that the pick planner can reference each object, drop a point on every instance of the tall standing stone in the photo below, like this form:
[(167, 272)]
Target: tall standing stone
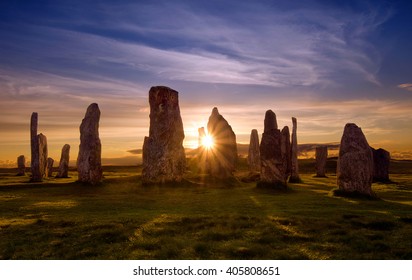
[(21, 165), (321, 158), (163, 153), (273, 170), (36, 176), (355, 162), (254, 152), (63, 171), (381, 161), (221, 161), (294, 175), (89, 166), (285, 148), (50, 163), (43, 154)]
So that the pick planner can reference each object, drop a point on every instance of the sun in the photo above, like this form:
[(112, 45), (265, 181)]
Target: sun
[(207, 142)]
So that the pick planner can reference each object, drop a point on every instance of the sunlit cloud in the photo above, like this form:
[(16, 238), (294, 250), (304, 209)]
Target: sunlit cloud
[(407, 87)]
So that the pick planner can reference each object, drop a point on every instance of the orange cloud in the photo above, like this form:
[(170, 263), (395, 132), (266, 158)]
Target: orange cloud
[(408, 87)]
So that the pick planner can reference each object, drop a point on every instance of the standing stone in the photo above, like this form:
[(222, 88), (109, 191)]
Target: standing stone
[(381, 161), (273, 170), (43, 154), (294, 175), (36, 176), (164, 157), (321, 158), (21, 165), (254, 152), (285, 148), (355, 162), (63, 171), (50, 163), (221, 161), (89, 166)]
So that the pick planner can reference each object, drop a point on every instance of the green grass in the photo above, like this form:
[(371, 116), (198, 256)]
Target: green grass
[(202, 219)]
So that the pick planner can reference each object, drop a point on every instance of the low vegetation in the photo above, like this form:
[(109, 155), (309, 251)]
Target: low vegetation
[(202, 219)]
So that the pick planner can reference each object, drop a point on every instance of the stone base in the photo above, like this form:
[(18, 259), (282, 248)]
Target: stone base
[(273, 186), (355, 194), (295, 180)]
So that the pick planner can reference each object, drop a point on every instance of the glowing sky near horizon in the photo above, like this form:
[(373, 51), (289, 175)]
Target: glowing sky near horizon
[(325, 62)]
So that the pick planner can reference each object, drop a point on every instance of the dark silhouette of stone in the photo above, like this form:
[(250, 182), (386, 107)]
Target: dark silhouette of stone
[(273, 171), (89, 166), (355, 162), (321, 158), (43, 154), (63, 171), (221, 160), (50, 163), (381, 161), (21, 166), (163, 153), (254, 152), (285, 148), (36, 175), (294, 174)]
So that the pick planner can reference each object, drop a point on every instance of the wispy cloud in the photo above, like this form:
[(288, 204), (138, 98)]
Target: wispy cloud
[(407, 87)]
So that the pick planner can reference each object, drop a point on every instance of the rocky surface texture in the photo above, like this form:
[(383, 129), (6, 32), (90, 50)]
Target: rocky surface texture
[(321, 155), (21, 166), (221, 160), (286, 149), (294, 174), (273, 171), (163, 153), (355, 162), (89, 165), (253, 157), (49, 168), (36, 176), (43, 154), (381, 161), (63, 171)]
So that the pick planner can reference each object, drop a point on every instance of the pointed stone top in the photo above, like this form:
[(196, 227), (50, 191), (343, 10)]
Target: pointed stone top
[(92, 107), (270, 121), (285, 129), (215, 111), (254, 131)]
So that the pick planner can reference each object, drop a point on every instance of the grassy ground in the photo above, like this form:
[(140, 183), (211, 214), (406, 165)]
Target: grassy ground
[(198, 219)]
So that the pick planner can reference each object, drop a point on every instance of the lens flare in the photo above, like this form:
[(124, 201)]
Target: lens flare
[(207, 142)]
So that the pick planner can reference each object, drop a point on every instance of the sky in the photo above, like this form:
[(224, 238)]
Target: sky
[(327, 63)]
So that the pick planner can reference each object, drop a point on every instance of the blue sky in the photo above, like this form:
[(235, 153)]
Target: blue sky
[(325, 62)]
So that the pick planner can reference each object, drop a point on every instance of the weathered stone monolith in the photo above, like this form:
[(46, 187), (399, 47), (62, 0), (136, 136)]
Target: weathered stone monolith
[(285, 148), (63, 171), (89, 166), (163, 153), (321, 156), (273, 171), (43, 154), (36, 176), (294, 174), (381, 161), (253, 157), (221, 160), (355, 162), (21, 165), (50, 163)]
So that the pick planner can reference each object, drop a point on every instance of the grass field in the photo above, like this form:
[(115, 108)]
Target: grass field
[(200, 219)]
